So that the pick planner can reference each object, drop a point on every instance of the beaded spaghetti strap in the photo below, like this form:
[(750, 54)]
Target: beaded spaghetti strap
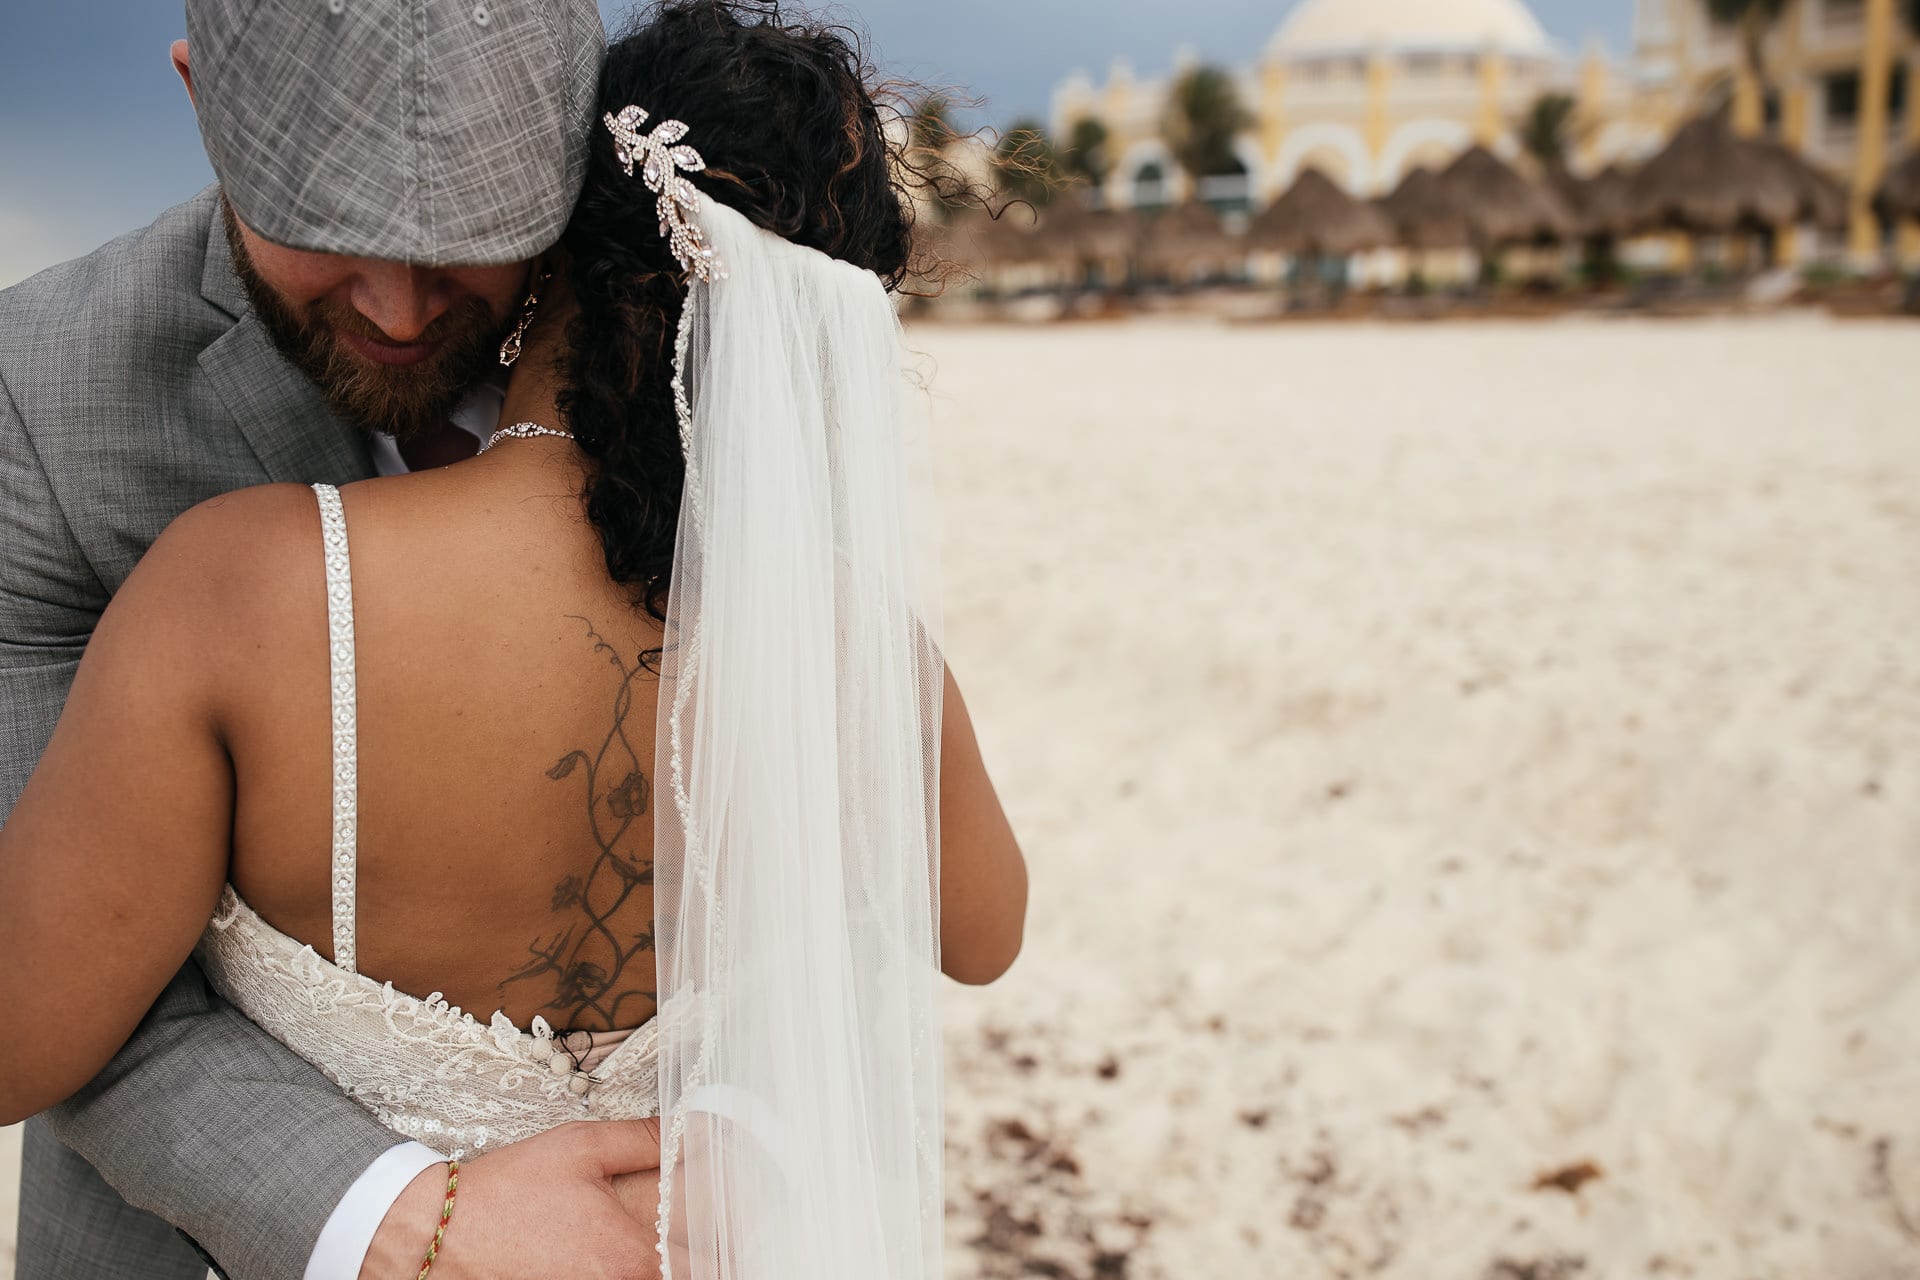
[(346, 733)]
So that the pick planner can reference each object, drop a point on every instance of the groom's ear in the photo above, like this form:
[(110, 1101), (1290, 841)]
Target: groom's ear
[(182, 67)]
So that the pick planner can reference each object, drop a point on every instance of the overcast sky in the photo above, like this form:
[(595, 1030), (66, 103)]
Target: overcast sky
[(96, 136)]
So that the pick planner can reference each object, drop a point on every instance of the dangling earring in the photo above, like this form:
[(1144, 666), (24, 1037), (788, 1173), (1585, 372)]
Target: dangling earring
[(511, 348)]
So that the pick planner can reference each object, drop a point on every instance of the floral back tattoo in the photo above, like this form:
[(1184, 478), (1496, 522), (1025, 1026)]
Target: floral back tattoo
[(605, 918)]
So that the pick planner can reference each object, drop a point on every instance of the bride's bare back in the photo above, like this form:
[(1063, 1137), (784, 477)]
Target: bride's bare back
[(506, 735)]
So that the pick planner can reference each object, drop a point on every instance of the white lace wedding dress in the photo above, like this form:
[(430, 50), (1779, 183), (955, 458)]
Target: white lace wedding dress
[(424, 1069)]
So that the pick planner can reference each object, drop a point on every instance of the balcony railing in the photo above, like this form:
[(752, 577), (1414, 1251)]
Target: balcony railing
[(1838, 138), (1840, 21)]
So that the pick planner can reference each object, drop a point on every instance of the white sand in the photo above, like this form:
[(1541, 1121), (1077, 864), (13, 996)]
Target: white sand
[(1446, 756)]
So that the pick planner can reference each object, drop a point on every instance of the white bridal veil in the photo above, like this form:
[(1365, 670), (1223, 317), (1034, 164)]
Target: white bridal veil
[(797, 833)]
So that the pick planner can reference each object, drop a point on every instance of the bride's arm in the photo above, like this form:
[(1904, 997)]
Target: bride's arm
[(113, 859), (983, 877)]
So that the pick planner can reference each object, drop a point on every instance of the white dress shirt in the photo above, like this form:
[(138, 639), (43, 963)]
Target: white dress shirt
[(478, 415), (341, 1250)]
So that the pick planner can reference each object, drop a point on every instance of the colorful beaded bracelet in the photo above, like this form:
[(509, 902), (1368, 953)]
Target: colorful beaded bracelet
[(446, 1216)]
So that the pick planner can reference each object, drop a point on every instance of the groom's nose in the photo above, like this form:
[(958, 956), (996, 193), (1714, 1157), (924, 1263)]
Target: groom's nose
[(402, 300)]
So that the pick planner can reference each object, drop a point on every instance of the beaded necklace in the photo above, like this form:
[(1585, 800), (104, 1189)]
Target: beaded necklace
[(523, 431)]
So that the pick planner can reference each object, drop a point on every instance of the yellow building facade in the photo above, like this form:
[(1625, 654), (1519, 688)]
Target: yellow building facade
[(1366, 90), (1838, 79)]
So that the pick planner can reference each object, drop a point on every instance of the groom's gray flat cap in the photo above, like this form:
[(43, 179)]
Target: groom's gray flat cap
[(434, 132)]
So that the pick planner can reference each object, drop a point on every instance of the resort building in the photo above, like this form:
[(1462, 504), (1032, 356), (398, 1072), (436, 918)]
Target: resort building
[(1840, 77), (1366, 90)]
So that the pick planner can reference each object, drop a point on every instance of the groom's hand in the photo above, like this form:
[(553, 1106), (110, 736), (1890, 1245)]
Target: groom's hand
[(562, 1203)]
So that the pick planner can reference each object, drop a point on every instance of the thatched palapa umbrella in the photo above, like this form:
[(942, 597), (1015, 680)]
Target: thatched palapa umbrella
[(1823, 198), (1899, 196), (1010, 238), (980, 242), (1186, 236), (1501, 207), (1599, 208), (1424, 214), (1073, 233), (1599, 203), (1897, 200), (1316, 218), (1709, 182)]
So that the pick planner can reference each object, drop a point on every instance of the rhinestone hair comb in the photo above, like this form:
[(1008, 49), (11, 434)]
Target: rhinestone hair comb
[(663, 159)]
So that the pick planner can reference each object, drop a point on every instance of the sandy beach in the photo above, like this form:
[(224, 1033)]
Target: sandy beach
[(1471, 780)]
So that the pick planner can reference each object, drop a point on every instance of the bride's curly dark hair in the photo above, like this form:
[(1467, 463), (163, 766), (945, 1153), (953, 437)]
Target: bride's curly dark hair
[(794, 138)]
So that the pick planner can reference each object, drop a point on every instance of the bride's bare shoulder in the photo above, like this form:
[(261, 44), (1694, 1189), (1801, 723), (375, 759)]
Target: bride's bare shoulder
[(240, 538), (229, 594), (230, 565)]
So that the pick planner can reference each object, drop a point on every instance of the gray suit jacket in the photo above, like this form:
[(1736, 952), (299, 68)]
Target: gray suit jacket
[(134, 383)]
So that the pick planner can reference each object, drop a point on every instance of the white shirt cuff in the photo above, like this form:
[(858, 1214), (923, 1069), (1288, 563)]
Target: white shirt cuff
[(341, 1250)]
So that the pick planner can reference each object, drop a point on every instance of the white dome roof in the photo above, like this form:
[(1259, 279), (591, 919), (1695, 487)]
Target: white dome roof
[(1351, 26)]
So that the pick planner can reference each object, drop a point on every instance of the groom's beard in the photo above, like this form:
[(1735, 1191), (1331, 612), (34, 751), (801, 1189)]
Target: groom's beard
[(407, 402)]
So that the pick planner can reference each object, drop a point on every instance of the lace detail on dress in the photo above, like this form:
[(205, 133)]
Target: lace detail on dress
[(423, 1068)]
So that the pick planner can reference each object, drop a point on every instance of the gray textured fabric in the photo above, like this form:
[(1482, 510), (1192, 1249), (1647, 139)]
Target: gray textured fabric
[(105, 1240), (133, 384), (436, 132)]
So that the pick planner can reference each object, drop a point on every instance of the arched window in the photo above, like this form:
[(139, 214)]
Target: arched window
[(1150, 187), (1230, 192)]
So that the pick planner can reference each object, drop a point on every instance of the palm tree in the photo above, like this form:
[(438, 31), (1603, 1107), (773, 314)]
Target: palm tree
[(1204, 116), (1549, 134), (1085, 155), (930, 126), (1026, 163), (1755, 18), (930, 132), (1547, 131)]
